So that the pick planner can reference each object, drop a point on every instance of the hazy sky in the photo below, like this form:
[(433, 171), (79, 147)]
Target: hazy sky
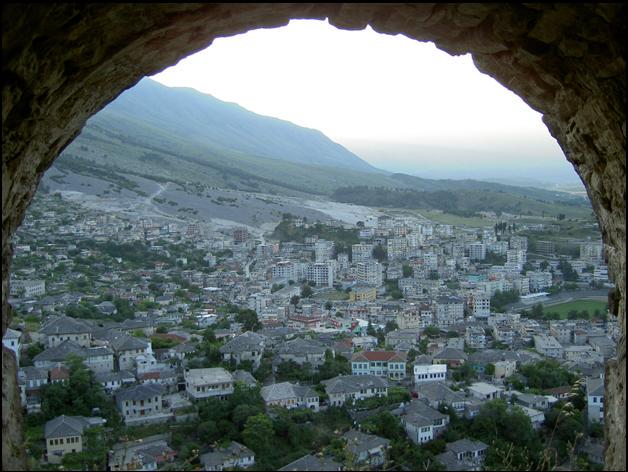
[(399, 104)]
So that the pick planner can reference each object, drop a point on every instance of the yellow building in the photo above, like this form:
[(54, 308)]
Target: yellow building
[(363, 294)]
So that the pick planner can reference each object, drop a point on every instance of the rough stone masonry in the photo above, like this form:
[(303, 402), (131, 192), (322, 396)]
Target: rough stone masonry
[(61, 63)]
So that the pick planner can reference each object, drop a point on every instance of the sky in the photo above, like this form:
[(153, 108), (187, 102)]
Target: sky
[(399, 104)]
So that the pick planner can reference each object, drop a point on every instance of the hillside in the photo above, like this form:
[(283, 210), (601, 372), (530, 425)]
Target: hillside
[(180, 135)]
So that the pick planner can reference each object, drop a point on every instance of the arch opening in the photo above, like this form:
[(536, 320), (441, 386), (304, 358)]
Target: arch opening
[(570, 70)]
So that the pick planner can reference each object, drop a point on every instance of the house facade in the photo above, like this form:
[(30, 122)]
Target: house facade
[(346, 388), (209, 382), (388, 364)]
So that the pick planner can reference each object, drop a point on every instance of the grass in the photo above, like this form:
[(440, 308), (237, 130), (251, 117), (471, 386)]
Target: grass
[(563, 308), (449, 219)]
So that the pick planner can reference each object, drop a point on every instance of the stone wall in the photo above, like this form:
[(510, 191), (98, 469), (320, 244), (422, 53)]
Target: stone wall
[(62, 63)]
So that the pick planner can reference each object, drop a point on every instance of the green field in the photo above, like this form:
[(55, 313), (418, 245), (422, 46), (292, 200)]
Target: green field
[(563, 308), (449, 219)]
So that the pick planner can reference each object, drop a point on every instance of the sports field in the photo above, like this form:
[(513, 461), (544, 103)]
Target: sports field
[(563, 308)]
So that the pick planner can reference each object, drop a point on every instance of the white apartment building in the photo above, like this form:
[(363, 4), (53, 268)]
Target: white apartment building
[(321, 274), (362, 252), (477, 251), (209, 382), (481, 304), (449, 311), (284, 270), (429, 373), (369, 273), (397, 249), (539, 280), (592, 253), (498, 247), (323, 250), (516, 257), (28, 288)]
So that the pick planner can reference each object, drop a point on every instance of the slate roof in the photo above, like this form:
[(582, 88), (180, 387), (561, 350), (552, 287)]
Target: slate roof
[(358, 442), (423, 360), (244, 377), (233, 451), (65, 325), (438, 391), (419, 413), (301, 346), (62, 351), (353, 383), (450, 353), (385, 356), (311, 463), (31, 373), (125, 342), (595, 387), (139, 392), (285, 390), (451, 463), (12, 334), (123, 375), (466, 445), (248, 341), (63, 425)]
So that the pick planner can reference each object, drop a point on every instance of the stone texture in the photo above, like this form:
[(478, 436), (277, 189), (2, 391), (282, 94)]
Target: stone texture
[(62, 63)]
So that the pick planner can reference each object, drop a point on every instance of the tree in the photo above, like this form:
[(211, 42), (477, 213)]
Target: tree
[(249, 320), (408, 271), (295, 300), (380, 253), (258, 433), (431, 331), (328, 305), (306, 291)]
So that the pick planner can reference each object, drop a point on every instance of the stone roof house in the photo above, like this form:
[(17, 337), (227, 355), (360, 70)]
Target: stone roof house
[(313, 462), (289, 395), (232, 456), (64, 434), (248, 346)]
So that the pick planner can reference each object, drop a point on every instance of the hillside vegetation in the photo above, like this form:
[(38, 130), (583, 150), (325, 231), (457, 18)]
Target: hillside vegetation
[(181, 135)]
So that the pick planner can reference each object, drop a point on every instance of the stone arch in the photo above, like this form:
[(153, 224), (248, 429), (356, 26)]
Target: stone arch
[(62, 63)]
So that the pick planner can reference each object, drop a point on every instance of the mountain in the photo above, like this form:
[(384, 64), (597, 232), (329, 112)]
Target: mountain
[(202, 120), (183, 136)]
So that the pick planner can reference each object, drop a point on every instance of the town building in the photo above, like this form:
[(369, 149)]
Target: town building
[(381, 363), (64, 434), (208, 382)]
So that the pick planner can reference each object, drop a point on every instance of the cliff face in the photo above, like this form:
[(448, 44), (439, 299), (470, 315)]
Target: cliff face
[(62, 63)]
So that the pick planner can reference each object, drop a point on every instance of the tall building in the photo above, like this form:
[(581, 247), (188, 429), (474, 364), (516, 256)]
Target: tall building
[(397, 248), (320, 273), (240, 235), (477, 251), (369, 273), (519, 242), (323, 250), (362, 252), (592, 253)]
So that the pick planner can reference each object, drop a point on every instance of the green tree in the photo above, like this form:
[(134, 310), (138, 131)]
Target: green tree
[(306, 291), (258, 433), (249, 320), (380, 253)]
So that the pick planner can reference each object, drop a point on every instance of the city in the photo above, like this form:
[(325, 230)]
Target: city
[(395, 342)]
